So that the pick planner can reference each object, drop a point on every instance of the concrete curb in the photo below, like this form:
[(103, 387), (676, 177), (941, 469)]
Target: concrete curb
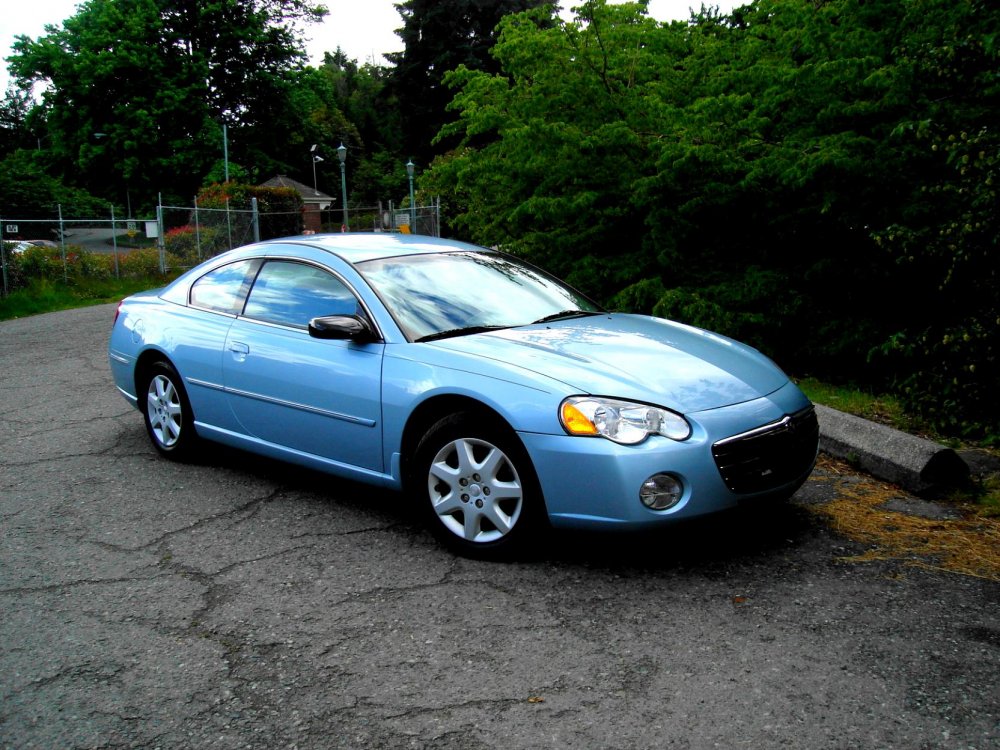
[(920, 466)]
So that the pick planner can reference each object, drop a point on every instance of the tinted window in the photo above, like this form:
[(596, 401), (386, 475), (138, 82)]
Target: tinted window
[(225, 288), (294, 293)]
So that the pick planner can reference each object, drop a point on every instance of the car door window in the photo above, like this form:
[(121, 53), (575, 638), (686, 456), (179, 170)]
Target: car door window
[(292, 294), (225, 288)]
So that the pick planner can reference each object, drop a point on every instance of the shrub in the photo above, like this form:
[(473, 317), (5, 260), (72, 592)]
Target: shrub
[(948, 376), (190, 245), (47, 264), (280, 209)]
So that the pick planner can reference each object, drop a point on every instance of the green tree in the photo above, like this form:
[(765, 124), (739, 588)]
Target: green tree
[(814, 177), (945, 245), (28, 192), (438, 36), (554, 148), (15, 131), (309, 116), (137, 90), (363, 93)]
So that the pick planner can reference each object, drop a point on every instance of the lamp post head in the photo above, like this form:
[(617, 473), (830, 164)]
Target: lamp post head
[(342, 152), (313, 147), (317, 158), (409, 167)]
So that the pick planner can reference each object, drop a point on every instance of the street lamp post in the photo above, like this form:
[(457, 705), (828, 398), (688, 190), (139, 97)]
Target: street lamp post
[(342, 154), (413, 206), (316, 160)]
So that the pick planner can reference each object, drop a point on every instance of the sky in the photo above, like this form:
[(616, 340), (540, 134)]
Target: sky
[(364, 29)]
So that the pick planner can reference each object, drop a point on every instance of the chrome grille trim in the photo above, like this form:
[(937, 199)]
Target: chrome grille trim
[(769, 456)]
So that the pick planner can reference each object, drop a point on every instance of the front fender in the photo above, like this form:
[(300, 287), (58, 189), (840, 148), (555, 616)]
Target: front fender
[(406, 384)]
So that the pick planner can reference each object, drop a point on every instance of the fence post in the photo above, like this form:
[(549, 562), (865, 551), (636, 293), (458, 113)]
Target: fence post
[(114, 238), (255, 217), (197, 229), (3, 259), (229, 225), (62, 243), (159, 233)]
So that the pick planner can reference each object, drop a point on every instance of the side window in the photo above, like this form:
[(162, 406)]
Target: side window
[(225, 288), (292, 294)]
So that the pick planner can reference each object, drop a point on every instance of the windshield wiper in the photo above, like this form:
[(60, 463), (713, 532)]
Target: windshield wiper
[(564, 314), (467, 330)]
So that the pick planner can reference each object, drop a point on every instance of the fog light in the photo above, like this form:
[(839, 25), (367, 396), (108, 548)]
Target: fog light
[(661, 491)]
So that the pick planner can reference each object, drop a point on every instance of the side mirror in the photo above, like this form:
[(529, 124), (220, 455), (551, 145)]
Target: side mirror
[(343, 327)]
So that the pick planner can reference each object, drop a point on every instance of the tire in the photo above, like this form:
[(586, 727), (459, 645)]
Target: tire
[(476, 487), (167, 412)]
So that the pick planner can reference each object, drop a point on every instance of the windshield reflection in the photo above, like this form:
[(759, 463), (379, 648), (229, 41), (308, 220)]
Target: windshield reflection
[(428, 294)]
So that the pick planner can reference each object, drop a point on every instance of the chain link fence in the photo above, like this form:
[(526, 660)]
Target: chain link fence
[(177, 237), (385, 217), (58, 247)]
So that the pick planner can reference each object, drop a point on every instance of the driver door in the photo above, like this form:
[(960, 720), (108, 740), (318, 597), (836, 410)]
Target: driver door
[(285, 387)]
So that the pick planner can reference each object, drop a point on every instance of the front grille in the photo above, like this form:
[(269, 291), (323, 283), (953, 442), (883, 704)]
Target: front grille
[(769, 456)]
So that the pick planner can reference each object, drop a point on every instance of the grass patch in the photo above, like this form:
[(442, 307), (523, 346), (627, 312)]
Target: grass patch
[(884, 409), (881, 408), (45, 295), (988, 497)]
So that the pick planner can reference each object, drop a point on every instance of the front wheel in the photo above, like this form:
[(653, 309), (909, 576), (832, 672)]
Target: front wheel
[(477, 487), (167, 412)]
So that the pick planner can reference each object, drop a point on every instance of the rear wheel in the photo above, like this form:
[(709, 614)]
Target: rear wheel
[(167, 412), (477, 487)]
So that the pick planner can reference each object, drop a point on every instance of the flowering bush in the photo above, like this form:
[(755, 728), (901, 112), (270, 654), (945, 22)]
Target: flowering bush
[(44, 263)]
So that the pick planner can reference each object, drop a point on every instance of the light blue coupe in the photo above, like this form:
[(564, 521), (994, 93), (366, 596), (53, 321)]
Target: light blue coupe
[(497, 397)]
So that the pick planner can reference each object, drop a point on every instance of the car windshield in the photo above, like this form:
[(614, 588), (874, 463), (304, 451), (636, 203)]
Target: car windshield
[(444, 294)]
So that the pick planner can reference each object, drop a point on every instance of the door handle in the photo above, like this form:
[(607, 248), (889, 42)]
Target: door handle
[(239, 350)]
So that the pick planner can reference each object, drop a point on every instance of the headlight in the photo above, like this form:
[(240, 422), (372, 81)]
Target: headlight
[(621, 421)]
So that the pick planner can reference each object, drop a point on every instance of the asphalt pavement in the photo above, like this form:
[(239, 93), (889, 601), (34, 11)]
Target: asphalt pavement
[(239, 603), (94, 240)]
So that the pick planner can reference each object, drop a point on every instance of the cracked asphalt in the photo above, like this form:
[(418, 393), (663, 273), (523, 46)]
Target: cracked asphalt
[(238, 603)]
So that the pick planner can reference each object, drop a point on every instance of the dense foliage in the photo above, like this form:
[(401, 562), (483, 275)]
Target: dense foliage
[(817, 177), (438, 37), (138, 90), (224, 219), (27, 191)]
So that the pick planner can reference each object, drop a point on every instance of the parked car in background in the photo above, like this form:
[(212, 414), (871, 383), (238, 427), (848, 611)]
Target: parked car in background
[(18, 247), (498, 398)]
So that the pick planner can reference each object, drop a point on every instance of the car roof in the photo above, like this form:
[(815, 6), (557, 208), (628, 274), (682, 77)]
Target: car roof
[(358, 247)]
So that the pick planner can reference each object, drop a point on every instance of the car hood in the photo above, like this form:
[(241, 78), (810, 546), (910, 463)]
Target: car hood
[(632, 357)]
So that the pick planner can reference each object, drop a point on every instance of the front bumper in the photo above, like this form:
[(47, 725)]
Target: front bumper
[(593, 483)]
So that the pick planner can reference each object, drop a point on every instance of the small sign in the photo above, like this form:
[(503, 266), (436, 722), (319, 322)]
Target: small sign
[(130, 226), (10, 229), (152, 229)]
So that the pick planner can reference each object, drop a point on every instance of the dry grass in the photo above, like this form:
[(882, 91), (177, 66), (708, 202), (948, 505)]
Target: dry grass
[(969, 545)]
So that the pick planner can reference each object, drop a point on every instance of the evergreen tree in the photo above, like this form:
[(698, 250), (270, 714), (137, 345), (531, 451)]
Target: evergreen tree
[(438, 36)]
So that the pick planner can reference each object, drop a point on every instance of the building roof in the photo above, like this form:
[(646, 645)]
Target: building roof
[(309, 195)]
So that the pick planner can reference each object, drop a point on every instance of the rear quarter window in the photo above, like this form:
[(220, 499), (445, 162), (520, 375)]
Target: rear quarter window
[(224, 289)]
